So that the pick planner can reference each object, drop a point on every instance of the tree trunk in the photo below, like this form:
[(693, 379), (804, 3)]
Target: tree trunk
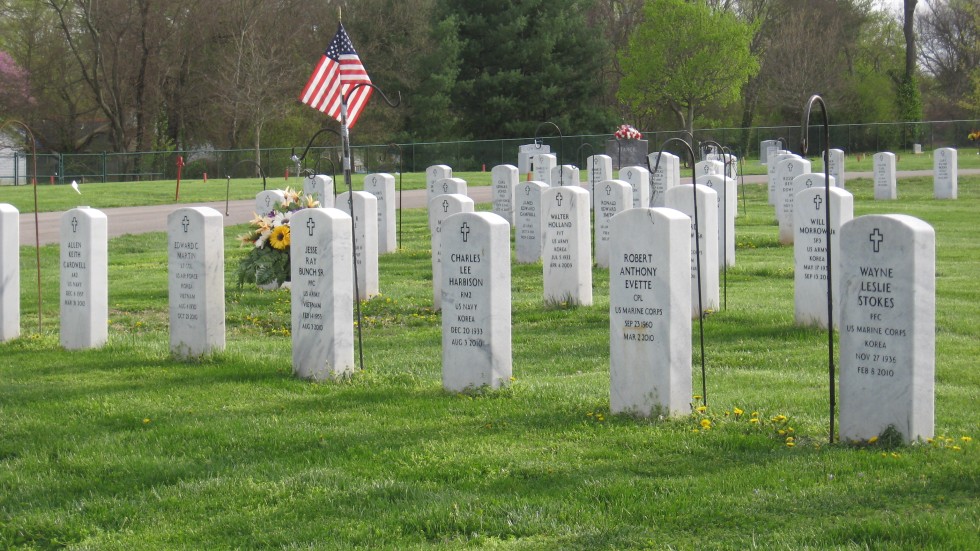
[(909, 33)]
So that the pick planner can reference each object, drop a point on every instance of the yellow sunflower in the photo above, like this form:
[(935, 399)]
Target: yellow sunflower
[(280, 237)]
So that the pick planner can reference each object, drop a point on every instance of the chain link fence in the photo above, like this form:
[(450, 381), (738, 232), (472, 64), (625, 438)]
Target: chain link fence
[(463, 156)]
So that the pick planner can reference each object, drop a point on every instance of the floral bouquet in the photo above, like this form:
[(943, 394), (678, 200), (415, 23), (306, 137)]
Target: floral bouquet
[(267, 262), (627, 132)]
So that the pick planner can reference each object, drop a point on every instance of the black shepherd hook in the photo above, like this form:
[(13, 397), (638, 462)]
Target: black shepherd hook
[(697, 252), (804, 145), (315, 136), (228, 183), (400, 172), (724, 210), (783, 143), (37, 231), (561, 146), (345, 142)]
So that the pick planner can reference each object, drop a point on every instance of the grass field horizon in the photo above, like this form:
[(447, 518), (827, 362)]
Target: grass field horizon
[(126, 448)]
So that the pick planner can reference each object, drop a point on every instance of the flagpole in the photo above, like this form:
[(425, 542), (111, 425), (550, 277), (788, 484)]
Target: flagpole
[(345, 144)]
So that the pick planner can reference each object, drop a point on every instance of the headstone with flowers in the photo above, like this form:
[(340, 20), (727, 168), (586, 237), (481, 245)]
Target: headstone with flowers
[(267, 262), (628, 148)]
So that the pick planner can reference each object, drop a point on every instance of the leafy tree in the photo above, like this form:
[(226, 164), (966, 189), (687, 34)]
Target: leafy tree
[(686, 55), (523, 63)]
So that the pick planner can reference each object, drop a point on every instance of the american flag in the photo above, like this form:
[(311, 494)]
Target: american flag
[(337, 72)]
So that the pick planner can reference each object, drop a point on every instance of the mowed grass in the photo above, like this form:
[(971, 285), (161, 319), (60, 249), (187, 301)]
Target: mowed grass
[(125, 448), (163, 192)]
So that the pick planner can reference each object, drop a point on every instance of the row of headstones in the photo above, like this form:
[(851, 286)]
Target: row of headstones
[(888, 293), (553, 224), (197, 297), (779, 162)]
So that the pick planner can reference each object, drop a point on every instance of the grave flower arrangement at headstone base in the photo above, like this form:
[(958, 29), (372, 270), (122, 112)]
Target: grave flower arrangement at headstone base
[(267, 262)]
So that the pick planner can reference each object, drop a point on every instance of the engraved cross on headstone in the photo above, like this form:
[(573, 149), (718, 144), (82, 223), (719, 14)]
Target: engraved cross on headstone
[(558, 198), (608, 190), (310, 224), (445, 205), (74, 224), (817, 201), (876, 239), (465, 230), (809, 183), (186, 223), (527, 191), (268, 200)]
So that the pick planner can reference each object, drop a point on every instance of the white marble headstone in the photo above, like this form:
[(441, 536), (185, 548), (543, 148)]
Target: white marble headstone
[(476, 294), (528, 225), (599, 169), (810, 251), (773, 178), (84, 279), (450, 185), (682, 198), (888, 327), (638, 178), (365, 213), (649, 313), (566, 252), (320, 187), (565, 175), (432, 175), (725, 188), (884, 176), (322, 293), (9, 272), (267, 201), (504, 180), (765, 146), (835, 166), (661, 178), (787, 171), (382, 186), (541, 165), (440, 208), (196, 275), (612, 197), (709, 167), (944, 170)]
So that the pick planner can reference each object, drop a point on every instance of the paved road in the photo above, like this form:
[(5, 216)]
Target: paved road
[(127, 220)]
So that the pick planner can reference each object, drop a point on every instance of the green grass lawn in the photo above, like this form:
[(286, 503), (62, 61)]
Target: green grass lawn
[(125, 448)]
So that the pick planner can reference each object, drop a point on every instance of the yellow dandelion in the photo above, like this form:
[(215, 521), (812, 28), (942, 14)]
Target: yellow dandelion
[(146, 420), (930, 441), (872, 440), (706, 423), (790, 444), (955, 448), (790, 439), (697, 397), (781, 432), (737, 411), (755, 414), (701, 409), (895, 455), (280, 237), (754, 420), (966, 439)]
